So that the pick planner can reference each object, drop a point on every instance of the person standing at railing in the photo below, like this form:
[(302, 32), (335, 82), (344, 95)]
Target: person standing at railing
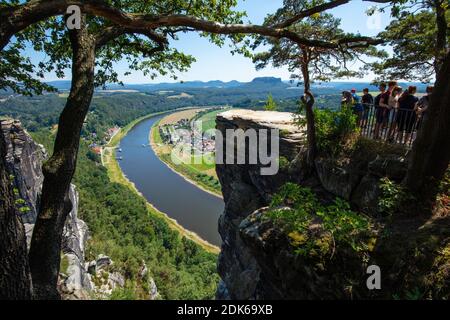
[(393, 102), (367, 102), (357, 107), (406, 117), (347, 99), (379, 110), (386, 97), (393, 110), (422, 105), (387, 102)]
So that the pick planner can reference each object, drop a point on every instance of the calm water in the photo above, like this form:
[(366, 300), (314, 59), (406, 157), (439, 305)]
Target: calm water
[(194, 209)]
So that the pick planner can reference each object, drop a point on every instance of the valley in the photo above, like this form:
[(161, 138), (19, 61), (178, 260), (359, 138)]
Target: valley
[(195, 210)]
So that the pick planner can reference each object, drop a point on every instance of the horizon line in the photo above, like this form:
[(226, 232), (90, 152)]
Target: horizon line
[(228, 81)]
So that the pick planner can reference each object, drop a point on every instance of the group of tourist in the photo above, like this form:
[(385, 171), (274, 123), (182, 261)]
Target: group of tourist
[(396, 112)]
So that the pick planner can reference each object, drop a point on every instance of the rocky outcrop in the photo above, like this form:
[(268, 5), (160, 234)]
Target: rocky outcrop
[(287, 275), (15, 280), (76, 283), (257, 260), (357, 180), (102, 279), (24, 160), (244, 191), (152, 293)]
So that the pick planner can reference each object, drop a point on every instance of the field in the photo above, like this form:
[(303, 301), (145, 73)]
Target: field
[(177, 116), (200, 164), (181, 96), (209, 120)]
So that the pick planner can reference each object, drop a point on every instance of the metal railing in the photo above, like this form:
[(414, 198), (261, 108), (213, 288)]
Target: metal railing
[(391, 125)]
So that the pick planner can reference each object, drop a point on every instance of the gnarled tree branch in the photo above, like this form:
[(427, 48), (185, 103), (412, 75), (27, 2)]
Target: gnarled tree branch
[(16, 18), (310, 12)]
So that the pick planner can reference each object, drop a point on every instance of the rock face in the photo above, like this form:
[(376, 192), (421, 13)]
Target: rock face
[(358, 181), (152, 293), (24, 160), (103, 281), (75, 235), (256, 260), (244, 191)]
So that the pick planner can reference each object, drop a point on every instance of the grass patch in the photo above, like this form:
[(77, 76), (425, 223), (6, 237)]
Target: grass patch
[(64, 264), (209, 120)]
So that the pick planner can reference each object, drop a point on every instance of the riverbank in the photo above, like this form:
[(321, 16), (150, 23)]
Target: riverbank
[(116, 175), (205, 179)]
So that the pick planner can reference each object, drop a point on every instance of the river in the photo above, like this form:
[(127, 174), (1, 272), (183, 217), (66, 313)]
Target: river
[(193, 208)]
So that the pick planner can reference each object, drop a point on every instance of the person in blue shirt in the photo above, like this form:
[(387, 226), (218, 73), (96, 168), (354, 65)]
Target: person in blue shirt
[(357, 106)]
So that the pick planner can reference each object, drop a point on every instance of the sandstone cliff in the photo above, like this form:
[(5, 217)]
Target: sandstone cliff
[(258, 261), (24, 160), (244, 191)]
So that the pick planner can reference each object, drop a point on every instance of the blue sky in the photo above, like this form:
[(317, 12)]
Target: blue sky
[(214, 63)]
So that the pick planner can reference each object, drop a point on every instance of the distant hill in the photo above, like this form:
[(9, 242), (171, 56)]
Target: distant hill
[(268, 84), (255, 83), (60, 84), (180, 85), (267, 81)]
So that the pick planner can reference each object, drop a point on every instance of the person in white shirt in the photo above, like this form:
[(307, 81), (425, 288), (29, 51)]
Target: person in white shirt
[(393, 110)]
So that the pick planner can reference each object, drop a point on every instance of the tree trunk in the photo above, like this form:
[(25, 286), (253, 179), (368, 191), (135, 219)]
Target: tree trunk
[(15, 281), (59, 170), (310, 121), (430, 154), (441, 35)]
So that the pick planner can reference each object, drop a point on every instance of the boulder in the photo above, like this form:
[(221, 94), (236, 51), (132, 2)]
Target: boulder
[(337, 179), (103, 262), (393, 167)]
